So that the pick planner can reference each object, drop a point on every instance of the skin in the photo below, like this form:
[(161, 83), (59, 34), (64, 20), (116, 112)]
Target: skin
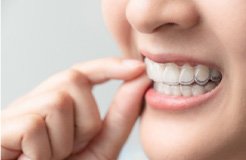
[(211, 31), (36, 125), (59, 119)]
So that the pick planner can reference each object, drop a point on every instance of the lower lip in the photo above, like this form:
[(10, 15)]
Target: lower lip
[(161, 101)]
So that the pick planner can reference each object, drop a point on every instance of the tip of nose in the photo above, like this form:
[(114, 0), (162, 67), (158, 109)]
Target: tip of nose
[(165, 15)]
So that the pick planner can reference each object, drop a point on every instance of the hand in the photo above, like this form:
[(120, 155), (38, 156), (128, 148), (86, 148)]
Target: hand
[(59, 119)]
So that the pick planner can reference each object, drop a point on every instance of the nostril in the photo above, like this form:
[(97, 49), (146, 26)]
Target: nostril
[(170, 24), (166, 25)]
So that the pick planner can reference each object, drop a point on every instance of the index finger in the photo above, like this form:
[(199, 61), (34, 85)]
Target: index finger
[(93, 72), (101, 70)]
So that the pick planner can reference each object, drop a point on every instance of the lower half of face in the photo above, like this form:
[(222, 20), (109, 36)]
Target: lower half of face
[(195, 54)]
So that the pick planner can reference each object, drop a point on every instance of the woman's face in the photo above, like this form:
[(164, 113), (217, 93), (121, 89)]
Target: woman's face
[(207, 32)]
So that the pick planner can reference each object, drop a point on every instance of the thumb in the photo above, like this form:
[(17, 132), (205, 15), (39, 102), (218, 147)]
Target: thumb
[(120, 119)]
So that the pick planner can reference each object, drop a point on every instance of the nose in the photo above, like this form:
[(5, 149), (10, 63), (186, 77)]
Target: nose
[(147, 16)]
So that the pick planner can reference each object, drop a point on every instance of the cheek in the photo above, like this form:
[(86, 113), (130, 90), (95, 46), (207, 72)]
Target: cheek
[(227, 20), (117, 23), (232, 32)]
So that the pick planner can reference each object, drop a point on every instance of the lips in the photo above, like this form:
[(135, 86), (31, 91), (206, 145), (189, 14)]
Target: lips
[(173, 93)]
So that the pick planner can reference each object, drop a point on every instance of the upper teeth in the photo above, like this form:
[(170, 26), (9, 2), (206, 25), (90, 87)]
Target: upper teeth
[(215, 75), (172, 74), (186, 75), (202, 74)]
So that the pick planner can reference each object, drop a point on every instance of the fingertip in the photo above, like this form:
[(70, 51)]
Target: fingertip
[(132, 69), (139, 82), (132, 63), (102, 70)]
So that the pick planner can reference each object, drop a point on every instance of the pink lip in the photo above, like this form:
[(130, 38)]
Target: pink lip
[(177, 58), (161, 101)]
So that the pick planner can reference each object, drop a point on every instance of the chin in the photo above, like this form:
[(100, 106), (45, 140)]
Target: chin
[(191, 135)]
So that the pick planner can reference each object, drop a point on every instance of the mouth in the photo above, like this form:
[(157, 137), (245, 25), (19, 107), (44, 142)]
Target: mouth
[(180, 82)]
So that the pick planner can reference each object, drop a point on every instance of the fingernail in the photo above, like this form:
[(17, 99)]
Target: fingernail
[(132, 63)]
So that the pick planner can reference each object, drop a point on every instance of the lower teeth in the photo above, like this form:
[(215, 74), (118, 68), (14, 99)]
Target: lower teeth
[(184, 90)]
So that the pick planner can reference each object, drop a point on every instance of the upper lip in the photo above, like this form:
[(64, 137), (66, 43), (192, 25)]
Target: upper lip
[(178, 58)]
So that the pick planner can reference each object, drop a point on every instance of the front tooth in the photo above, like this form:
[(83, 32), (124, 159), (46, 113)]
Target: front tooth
[(162, 88), (154, 70), (186, 91), (186, 75), (197, 90), (215, 75), (175, 91), (201, 74), (171, 74)]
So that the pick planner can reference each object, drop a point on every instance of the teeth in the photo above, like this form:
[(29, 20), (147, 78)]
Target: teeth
[(197, 90), (175, 90), (201, 74), (186, 76), (186, 91), (183, 90), (150, 68), (186, 80), (154, 70), (215, 75), (209, 86), (171, 74), (162, 88)]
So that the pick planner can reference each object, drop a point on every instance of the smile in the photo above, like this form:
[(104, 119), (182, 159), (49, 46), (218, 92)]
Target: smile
[(180, 85)]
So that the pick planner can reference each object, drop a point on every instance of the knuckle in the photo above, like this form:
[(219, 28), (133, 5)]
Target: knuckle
[(62, 101), (34, 123), (75, 77)]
